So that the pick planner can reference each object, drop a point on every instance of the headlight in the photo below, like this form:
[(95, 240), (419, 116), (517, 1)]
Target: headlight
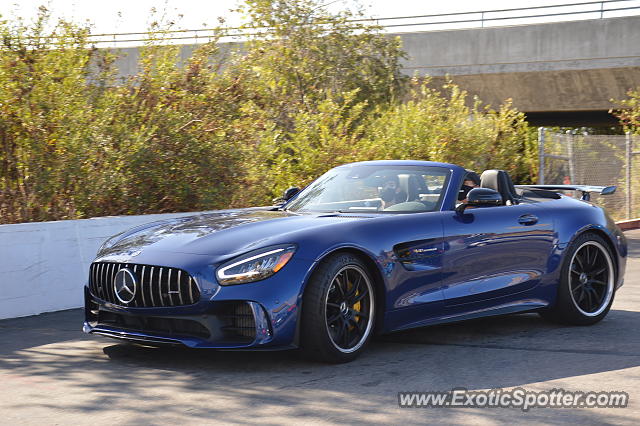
[(108, 244), (255, 266)]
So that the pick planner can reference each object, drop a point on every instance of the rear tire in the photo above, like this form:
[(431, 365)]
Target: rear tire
[(338, 310), (587, 283)]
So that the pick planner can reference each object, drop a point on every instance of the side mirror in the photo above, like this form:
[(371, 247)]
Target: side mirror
[(290, 192), (481, 197)]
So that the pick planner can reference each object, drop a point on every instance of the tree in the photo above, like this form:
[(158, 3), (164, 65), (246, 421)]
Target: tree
[(629, 113), (439, 125), (301, 55), (46, 117), (309, 90)]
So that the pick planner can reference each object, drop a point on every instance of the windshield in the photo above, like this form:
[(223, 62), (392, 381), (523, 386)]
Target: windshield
[(373, 188)]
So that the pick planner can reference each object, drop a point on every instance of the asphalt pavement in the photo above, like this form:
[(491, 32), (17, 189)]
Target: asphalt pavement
[(51, 373)]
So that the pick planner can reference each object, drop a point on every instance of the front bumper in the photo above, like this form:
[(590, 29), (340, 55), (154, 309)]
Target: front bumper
[(260, 315), (225, 325)]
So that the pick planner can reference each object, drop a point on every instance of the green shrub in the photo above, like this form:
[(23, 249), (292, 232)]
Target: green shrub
[(629, 116), (46, 118), (312, 91), (439, 125), (629, 111)]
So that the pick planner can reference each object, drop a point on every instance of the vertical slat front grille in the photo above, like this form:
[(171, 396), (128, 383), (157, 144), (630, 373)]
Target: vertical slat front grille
[(156, 286)]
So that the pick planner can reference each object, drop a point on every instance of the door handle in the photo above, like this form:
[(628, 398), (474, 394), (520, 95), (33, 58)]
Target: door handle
[(528, 219)]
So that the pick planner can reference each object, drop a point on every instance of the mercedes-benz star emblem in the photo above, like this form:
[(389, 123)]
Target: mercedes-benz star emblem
[(125, 285)]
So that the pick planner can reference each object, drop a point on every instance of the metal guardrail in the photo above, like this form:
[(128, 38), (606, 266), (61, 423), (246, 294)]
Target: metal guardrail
[(476, 19)]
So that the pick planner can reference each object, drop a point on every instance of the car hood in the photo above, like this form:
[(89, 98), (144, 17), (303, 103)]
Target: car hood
[(228, 232)]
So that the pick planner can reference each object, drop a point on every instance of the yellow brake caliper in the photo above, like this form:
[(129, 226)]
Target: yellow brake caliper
[(356, 306)]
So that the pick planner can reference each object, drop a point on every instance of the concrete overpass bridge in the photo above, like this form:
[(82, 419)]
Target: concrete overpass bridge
[(561, 73)]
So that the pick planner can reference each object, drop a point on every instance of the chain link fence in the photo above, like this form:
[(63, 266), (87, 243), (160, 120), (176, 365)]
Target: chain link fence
[(583, 159)]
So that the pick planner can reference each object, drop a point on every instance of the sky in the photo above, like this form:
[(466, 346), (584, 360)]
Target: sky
[(117, 16)]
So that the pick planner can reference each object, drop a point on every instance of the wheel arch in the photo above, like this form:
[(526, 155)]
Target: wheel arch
[(372, 267), (607, 239), (567, 315)]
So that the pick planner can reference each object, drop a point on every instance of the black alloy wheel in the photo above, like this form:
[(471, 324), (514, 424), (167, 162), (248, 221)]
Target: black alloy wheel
[(338, 309), (591, 278), (587, 283), (349, 308)]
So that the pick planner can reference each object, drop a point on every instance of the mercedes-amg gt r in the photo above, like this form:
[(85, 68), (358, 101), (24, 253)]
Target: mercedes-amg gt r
[(367, 248)]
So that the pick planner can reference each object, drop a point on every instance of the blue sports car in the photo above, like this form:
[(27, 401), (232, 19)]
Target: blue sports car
[(370, 247)]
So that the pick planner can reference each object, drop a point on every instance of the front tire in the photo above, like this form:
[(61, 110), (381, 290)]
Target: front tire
[(338, 310), (587, 284)]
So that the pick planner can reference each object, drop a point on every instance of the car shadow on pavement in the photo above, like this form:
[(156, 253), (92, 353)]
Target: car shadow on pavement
[(491, 353), (505, 352)]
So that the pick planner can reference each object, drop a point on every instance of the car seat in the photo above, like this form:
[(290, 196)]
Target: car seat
[(499, 180)]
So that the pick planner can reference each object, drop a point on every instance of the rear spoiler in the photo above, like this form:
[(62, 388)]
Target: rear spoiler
[(585, 189)]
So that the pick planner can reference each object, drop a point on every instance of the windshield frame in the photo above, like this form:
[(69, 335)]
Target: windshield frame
[(438, 207)]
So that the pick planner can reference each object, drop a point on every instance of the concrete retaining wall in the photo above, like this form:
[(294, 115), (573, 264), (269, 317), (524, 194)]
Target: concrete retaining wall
[(44, 265)]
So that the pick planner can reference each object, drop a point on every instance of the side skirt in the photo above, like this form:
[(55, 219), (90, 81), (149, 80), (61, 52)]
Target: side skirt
[(507, 308)]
